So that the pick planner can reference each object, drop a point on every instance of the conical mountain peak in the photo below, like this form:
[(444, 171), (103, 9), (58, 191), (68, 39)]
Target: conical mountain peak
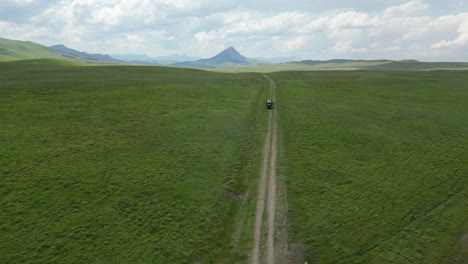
[(227, 57), (232, 55)]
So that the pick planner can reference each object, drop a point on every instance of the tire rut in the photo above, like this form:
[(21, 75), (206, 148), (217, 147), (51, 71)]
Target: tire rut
[(267, 191)]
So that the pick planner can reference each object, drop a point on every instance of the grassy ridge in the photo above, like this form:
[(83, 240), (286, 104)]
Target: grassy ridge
[(14, 50), (376, 164), (122, 164), (21, 50)]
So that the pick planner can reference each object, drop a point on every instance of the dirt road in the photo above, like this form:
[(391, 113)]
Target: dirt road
[(267, 192)]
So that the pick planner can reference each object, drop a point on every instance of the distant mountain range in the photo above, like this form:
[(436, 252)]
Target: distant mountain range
[(179, 58), (161, 60), (14, 50), (90, 56), (228, 57), (228, 60)]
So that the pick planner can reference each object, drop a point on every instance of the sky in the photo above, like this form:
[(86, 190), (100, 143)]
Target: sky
[(426, 30)]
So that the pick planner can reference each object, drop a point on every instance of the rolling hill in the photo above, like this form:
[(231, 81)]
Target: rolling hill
[(22, 50), (228, 57), (351, 65), (90, 56), (13, 50)]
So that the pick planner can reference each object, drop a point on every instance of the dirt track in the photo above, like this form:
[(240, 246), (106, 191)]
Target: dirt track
[(267, 191)]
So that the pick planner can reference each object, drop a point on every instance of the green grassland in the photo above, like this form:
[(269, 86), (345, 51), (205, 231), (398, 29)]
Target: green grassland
[(349, 65), (375, 165), (125, 164)]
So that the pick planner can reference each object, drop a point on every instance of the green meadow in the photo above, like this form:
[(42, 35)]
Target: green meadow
[(143, 164), (123, 164), (349, 65), (375, 165)]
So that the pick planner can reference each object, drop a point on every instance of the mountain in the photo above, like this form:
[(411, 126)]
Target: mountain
[(231, 55), (90, 56), (279, 59), (228, 57)]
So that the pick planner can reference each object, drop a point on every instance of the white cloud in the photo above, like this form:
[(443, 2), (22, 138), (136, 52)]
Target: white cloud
[(24, 1), (352, 20), (205, 36), (458, 6), (135, 38), (461, 40), (369, 29), (408, 9), (345, 47), (7, 27), (280, 23), (294, 44)]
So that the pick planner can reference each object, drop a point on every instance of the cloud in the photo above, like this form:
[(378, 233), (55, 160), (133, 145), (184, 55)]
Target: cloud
[(352, 20), (408, 9), (315, 29), (458, 6), (135, 38), (295, 43), (279, 24), (345, 47), (462, 39), (205, 36), (24, 1)]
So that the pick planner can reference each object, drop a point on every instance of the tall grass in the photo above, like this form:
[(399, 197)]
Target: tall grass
[(122, 164), (376, 164)]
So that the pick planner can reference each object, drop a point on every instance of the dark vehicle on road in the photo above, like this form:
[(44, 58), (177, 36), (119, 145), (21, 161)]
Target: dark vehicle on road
[(269, 104)]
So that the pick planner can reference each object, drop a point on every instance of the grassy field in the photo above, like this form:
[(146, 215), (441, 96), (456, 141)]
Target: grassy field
[(122, 164), (125, 164), (375, 165), (349, 65)]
